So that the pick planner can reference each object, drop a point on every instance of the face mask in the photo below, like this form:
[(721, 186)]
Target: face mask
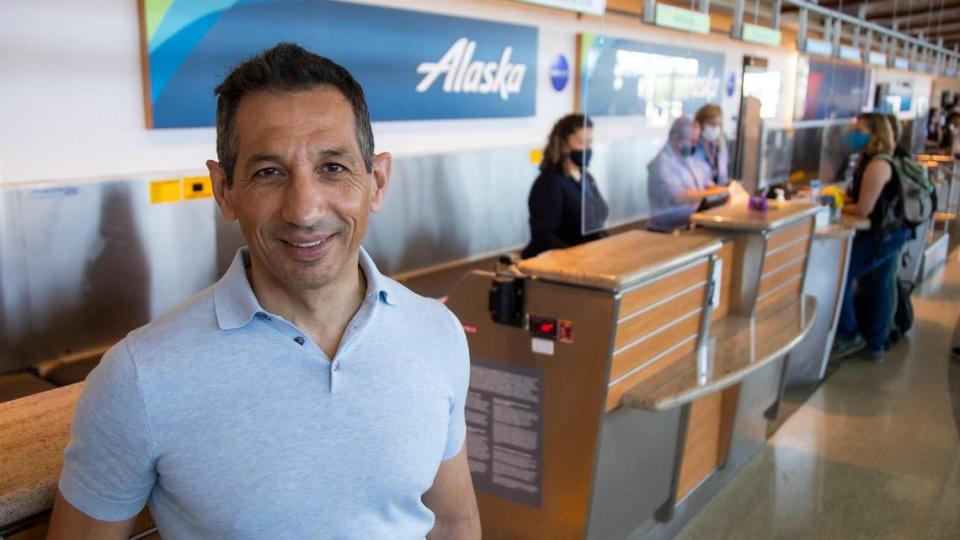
[(857, 140), (581, 158), (711, 133), (688, 150)]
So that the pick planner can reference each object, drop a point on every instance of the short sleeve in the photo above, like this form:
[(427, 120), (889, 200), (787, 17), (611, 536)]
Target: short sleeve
[(460, 376), (108, 470)]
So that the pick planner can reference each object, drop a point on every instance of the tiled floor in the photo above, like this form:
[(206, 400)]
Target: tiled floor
[(873, 453)]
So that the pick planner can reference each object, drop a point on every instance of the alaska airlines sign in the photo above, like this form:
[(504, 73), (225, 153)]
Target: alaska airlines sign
[(412, 65), (463, 74)]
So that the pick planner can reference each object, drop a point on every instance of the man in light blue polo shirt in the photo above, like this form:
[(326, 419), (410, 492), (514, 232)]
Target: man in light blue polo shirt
[(304, 395)]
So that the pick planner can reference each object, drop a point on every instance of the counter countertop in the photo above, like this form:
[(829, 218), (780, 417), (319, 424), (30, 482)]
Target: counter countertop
[(621, 261), (857, 222), (741, 345), (33, 434), (739, 217), (835, 230)]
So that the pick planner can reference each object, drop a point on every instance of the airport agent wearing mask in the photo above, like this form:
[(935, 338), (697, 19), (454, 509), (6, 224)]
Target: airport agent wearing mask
[(713, 148), (678, 180), (305, 394), (564, 200)]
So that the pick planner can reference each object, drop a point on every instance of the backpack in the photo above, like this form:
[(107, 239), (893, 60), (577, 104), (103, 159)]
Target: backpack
[(915, 201)]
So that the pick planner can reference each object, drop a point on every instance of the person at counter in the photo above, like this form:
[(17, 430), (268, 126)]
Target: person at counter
[(874, 253), (950, 140), (304, 395), (566, 207), (678, 181), (712, 148)]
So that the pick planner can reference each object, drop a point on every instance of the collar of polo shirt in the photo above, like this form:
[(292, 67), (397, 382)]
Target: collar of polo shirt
[(236, 304)]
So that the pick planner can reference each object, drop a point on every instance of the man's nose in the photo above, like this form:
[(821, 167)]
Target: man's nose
[(302, 199)]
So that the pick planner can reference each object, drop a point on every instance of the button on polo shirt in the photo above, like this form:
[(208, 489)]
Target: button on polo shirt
[(231, 423)]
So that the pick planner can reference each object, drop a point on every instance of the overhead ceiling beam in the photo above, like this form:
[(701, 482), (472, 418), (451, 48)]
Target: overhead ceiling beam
[(951, 15), (952, 36), (852, 20), (903, 10), (930, 32), (884, 9)]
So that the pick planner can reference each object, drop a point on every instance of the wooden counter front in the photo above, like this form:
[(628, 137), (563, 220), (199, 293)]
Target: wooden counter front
[(33, 434), (34, 431)]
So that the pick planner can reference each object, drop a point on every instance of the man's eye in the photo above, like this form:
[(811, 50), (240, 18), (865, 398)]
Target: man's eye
[(333, 168), (268, 172)]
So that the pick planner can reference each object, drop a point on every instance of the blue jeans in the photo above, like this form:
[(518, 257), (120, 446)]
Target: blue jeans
[(872, 263)]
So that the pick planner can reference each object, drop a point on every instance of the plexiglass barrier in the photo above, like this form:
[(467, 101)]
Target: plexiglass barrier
[(633, 92)]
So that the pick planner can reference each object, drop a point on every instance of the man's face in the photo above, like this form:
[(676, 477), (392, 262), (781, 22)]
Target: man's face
[(300, 189), (687, 138)]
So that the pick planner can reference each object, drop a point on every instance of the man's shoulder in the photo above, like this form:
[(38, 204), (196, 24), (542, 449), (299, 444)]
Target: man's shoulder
[(183, 324), (660, 160), (417, 308)]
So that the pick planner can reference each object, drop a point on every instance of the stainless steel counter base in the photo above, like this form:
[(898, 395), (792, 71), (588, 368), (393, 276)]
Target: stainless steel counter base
[(637, 447), (757, 394), (826, 281)]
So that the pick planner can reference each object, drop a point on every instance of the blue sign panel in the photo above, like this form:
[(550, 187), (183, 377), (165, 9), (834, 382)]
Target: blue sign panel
[(624, 77), (412, 66)]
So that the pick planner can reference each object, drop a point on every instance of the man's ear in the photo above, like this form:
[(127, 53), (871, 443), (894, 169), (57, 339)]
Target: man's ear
[(221, 191), (381, 176)]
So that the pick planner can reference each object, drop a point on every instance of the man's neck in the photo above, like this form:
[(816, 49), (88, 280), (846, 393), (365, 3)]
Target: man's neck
[(323, 313)]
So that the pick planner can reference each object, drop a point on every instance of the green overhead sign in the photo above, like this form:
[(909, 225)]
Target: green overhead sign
[(682, 19), (760, 34)]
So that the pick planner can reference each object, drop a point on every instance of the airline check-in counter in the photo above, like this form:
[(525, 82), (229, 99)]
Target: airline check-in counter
[(825, 280), (799, 256), (935, 242), (616, 386), (793, 256)]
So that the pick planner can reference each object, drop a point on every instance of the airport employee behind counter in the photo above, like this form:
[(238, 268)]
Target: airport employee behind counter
[(712, 149), (566, 208), (304, 395), (678, 180)]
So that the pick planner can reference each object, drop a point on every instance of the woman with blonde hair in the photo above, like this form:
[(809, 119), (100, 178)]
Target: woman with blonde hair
[(566, 207), (873, 259), (712, 148)]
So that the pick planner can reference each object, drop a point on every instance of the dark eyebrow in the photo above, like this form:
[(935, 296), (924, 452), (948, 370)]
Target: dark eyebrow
[(336, 152), (257, 158)]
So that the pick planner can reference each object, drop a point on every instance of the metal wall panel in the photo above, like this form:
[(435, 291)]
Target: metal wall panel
[(83, 263), (442, 208), (14, 313)]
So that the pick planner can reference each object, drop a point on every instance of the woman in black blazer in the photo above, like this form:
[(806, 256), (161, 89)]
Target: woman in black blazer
[(566, 207)]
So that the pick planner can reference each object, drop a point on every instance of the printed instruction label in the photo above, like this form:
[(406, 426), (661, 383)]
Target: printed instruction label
[(504, 413), (541, 346)]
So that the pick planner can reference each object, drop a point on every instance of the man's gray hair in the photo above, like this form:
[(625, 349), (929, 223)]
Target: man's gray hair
[(681, 128)]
